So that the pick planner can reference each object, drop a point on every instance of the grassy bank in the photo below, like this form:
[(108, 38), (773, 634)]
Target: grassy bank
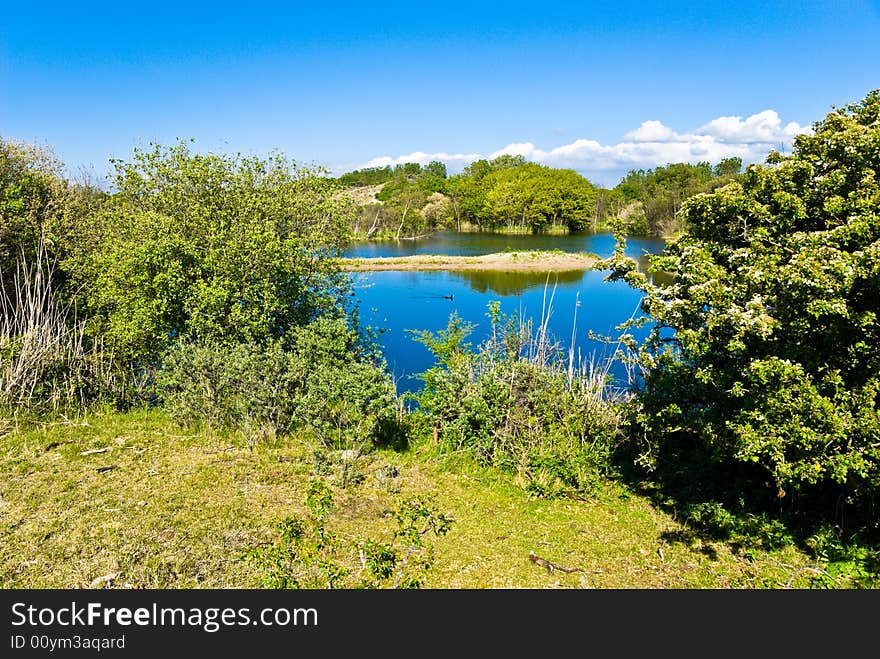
[(544, 261), (134, 501)]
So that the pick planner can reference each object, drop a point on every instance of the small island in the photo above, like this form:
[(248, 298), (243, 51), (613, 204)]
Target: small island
[(528, 261)]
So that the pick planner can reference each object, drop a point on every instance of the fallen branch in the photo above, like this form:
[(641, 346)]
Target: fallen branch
[(814, 570), (553, 567)]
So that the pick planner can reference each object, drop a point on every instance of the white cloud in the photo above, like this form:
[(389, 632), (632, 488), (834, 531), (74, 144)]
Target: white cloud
[(423, 159), (651, 131), (764, 127), (525, 149), (650, 145)]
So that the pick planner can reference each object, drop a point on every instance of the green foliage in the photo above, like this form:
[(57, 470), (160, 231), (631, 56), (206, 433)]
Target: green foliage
[(536, 197), (40, 212), (319, 377), (211, 248), (412, 177), (46, 364), (728, 167), (306, 554), (478, 169), (413, 201), (31, 201), (742, 529), (367, 176), (851, 563), (662, 191), (489, 194), (515, 402), (508, 192), (775, 358)]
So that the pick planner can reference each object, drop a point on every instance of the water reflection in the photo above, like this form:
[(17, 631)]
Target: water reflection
[(398, 302), (514, 283)]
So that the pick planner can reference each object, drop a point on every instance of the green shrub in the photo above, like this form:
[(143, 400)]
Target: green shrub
[(518, 403), (766, 347), (220, 249), (318, 378), (846, 563)]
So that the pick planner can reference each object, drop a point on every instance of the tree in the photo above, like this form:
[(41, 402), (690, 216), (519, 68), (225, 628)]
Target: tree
[(366, 176), (728, 167), (534, 197), (214, 248), (406, 206), (436, 169), (33, 201), (775, 357), (40, 212), (663, 190)]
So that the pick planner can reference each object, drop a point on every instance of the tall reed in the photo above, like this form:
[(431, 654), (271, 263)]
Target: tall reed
[(44, 363)]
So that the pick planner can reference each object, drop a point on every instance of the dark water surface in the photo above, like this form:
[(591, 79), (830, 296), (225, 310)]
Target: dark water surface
[(475, 244), (395, 302)]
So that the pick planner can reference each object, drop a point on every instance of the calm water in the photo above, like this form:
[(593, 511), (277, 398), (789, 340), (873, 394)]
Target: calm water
[(394, 302), (474, 244)]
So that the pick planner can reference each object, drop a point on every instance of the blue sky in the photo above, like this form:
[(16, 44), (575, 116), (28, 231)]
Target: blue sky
[(346, 84)]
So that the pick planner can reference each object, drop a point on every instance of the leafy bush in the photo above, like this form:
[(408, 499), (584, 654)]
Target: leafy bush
[(659, 194), (318, 377), (774, 361), (852, 563), (518, 403), (209, 248), (33, 200)]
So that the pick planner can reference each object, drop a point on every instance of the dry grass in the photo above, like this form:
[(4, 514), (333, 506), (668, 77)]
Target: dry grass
[(43, 361), (162, 507)]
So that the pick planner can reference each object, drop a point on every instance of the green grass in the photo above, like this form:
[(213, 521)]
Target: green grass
[(173, 508)]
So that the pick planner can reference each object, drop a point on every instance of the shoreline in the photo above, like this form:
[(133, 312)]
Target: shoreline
[(528, 261)]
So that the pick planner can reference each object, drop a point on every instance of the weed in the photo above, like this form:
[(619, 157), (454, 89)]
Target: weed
[(306, 554)]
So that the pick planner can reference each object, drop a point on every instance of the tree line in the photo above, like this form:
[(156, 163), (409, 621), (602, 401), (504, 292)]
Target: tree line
[(509, 194)]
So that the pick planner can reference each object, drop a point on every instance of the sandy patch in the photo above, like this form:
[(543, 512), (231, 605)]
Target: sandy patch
[(510, 261)]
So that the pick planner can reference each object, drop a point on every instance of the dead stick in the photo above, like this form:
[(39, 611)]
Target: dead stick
[(553, 567)]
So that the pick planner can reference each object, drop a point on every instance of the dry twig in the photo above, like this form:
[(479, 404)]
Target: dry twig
[(553, 567)]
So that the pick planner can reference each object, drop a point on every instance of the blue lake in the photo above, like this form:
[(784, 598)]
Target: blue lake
[(393, 302), (477, 243)]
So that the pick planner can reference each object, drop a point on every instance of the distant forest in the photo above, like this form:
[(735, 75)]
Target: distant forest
[(508, 193)]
